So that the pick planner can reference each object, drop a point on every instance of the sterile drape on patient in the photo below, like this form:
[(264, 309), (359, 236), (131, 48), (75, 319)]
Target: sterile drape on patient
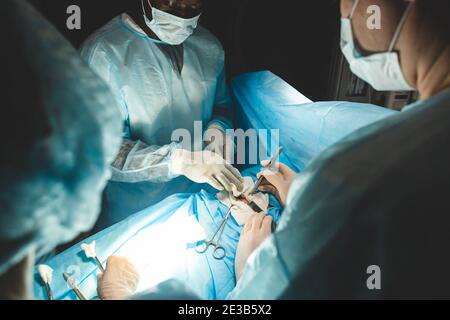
[(160, 241), (265, 101)]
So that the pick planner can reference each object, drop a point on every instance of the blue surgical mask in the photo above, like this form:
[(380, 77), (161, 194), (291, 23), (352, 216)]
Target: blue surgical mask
[(169, 28), (381, 70)]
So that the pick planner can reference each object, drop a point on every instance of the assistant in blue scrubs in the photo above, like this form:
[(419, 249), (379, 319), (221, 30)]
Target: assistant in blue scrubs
[(62, 133), (167, 73), (369, 218)]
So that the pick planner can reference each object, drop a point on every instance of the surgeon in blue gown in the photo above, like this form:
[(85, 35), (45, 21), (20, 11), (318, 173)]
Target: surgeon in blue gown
[(167, 73), (60, 138), (369, 218)]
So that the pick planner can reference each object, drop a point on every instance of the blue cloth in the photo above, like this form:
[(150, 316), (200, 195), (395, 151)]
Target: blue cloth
[(306, 129), (168, 290), (61, 131), (160, 241)]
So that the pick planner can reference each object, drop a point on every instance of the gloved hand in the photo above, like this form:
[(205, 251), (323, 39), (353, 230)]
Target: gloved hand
[(219, 142), (240, 210), (119, 281), (207, 167), (278, 180), (257, 229)]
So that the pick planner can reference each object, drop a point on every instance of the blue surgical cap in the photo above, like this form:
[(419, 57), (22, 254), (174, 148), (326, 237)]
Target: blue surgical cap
[(60, 131)]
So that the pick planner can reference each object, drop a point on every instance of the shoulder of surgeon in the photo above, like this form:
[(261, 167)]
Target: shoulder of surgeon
[(106, 38), (117, 34), (206, 43)]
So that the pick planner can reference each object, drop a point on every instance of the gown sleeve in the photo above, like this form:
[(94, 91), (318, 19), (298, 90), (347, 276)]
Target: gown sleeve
[(136, 161)]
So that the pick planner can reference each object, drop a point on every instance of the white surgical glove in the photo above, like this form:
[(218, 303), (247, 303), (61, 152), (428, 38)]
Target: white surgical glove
[(239, 209), (278, 180), (219, 142), (206, 167), (119, 281)]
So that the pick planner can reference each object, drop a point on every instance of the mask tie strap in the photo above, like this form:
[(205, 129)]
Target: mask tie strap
[(400, 27), (354, 8), (143, 8), (150, 4)]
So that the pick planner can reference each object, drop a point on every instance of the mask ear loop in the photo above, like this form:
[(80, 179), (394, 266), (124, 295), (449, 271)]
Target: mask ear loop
[(143, 9), (354, 9), (400, 27), (150, 4)]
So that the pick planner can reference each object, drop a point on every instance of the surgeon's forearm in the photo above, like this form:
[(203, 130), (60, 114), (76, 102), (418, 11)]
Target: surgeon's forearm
[(139, 162), (124, 151)]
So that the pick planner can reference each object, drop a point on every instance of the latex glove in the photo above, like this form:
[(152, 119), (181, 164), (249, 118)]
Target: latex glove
[(257, 229), (219, 142), (207, 167), (119, 281), (278, 180), (239, 209)]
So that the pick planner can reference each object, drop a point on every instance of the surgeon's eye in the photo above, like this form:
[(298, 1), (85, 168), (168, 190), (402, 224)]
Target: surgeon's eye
[(181, 9), (192, 12)]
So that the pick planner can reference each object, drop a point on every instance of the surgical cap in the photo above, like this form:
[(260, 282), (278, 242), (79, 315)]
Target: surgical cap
[(60, 131)]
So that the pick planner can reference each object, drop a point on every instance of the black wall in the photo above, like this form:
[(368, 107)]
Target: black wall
[(293, 38)]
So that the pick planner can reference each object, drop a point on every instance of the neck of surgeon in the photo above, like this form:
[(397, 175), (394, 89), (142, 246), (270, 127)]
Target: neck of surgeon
[(433, 72), (425, 55)]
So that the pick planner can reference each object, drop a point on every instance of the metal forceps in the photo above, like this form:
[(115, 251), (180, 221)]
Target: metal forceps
[(219, 252)]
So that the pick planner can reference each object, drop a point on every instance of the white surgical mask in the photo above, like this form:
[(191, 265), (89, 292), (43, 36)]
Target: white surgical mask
[(381, 70), (169, 28)]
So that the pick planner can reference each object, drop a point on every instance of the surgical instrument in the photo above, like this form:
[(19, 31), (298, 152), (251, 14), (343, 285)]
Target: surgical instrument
[(46, 274), (219, 251), (269, 166), (89, 250), (255, 207), (74, 287)]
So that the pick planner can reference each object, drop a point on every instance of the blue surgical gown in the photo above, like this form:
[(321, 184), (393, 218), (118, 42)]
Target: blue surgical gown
[(155, 99), (61, 131), (377, 198)]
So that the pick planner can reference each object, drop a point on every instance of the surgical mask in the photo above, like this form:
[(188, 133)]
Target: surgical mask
[(382, 70), (169, 28)]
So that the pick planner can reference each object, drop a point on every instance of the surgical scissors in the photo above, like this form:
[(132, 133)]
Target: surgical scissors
[(219, 252)]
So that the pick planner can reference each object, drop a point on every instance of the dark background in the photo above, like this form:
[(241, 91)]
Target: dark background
[(295, 39)]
